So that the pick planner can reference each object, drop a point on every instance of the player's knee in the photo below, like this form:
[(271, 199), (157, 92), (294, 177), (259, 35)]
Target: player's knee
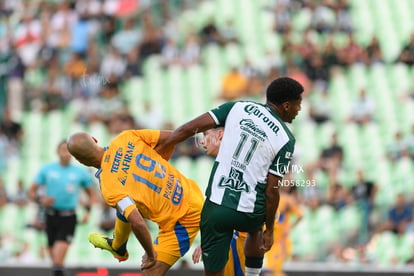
[(159, 269), (254, 262)]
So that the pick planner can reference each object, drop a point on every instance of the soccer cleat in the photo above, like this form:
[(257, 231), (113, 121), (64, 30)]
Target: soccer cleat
[(105, 243)]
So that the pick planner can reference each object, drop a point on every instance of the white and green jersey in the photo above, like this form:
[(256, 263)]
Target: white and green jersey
[(255, 142)]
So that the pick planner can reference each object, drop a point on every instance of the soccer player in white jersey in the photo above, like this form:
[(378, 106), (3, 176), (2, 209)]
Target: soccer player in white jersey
[(243, 190)]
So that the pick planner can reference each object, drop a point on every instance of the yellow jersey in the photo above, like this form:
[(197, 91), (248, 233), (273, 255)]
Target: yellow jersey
[(132, 168), (287, 207)]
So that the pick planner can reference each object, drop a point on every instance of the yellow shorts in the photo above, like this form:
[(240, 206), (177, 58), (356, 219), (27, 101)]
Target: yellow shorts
[(172, 244), (235, 264), (278, 254)]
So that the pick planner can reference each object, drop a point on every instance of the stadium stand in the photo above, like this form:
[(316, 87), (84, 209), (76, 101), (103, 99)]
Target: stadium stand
[(180, 93)]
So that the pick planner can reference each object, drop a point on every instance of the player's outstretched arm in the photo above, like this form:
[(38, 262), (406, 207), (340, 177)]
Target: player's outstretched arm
[(272, 203), (197, 125), (164, 134), (140, 229)]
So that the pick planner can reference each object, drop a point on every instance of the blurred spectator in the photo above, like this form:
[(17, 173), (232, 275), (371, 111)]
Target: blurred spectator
[(233, 86), (133, 65), (399, 216), (269, 61), (248, 69), (127, 38), (170, 54), (60, 25), (363, 109), (407, 53), (85, 107), (39, 221), (4, 199), (15, 88), (113, 64), (397, 148), (351, 53), (363, 193), (336, 254), (290, 52), (229, 32), (151, 117), (120, 122), (209, 33), (48, 53), (255, 88), (52, 91), (410, 92), (329, 161), (320, 108), (12, 129), (271, 75), (27, 36), (107, 217), (410, 261), (373, 53), (81, 33), (329, 54), (21, 198), (307, 49), (152, 40), (338, 196), (4, 251), (409, 144), (322, 17), (91, 81), (188, 148), (108, 104), (108, 25), (191, 52), (317, 73), (343, 18), (283, 18), (22, 254), (4, 145), (296, 73), (75, 67)]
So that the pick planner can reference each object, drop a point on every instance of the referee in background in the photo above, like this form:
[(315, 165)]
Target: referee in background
[(61, 183)]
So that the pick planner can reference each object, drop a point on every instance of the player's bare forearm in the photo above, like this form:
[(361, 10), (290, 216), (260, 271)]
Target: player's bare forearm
[(197, 125), (272, 200), (141, 232), (32, 193), (166, 153)]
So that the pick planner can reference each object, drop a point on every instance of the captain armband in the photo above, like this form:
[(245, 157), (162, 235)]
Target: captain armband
[(123, 204)]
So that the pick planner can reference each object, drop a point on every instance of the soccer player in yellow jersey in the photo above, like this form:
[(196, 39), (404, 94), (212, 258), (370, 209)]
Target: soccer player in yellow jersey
[(140, 184), (282, 248)]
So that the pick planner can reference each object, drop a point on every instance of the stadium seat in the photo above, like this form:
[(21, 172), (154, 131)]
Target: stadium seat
[(184, 165), (384, 249), (405, 247)]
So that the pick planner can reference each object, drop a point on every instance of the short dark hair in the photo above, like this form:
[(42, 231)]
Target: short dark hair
[(283, 89)]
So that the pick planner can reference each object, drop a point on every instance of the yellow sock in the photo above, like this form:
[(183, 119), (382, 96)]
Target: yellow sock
[(121, 233)]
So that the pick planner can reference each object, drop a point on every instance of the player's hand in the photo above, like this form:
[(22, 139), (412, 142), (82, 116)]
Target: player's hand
[(85, 218), (267, 240), (148, 262), (197, 255), (47, 201)]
